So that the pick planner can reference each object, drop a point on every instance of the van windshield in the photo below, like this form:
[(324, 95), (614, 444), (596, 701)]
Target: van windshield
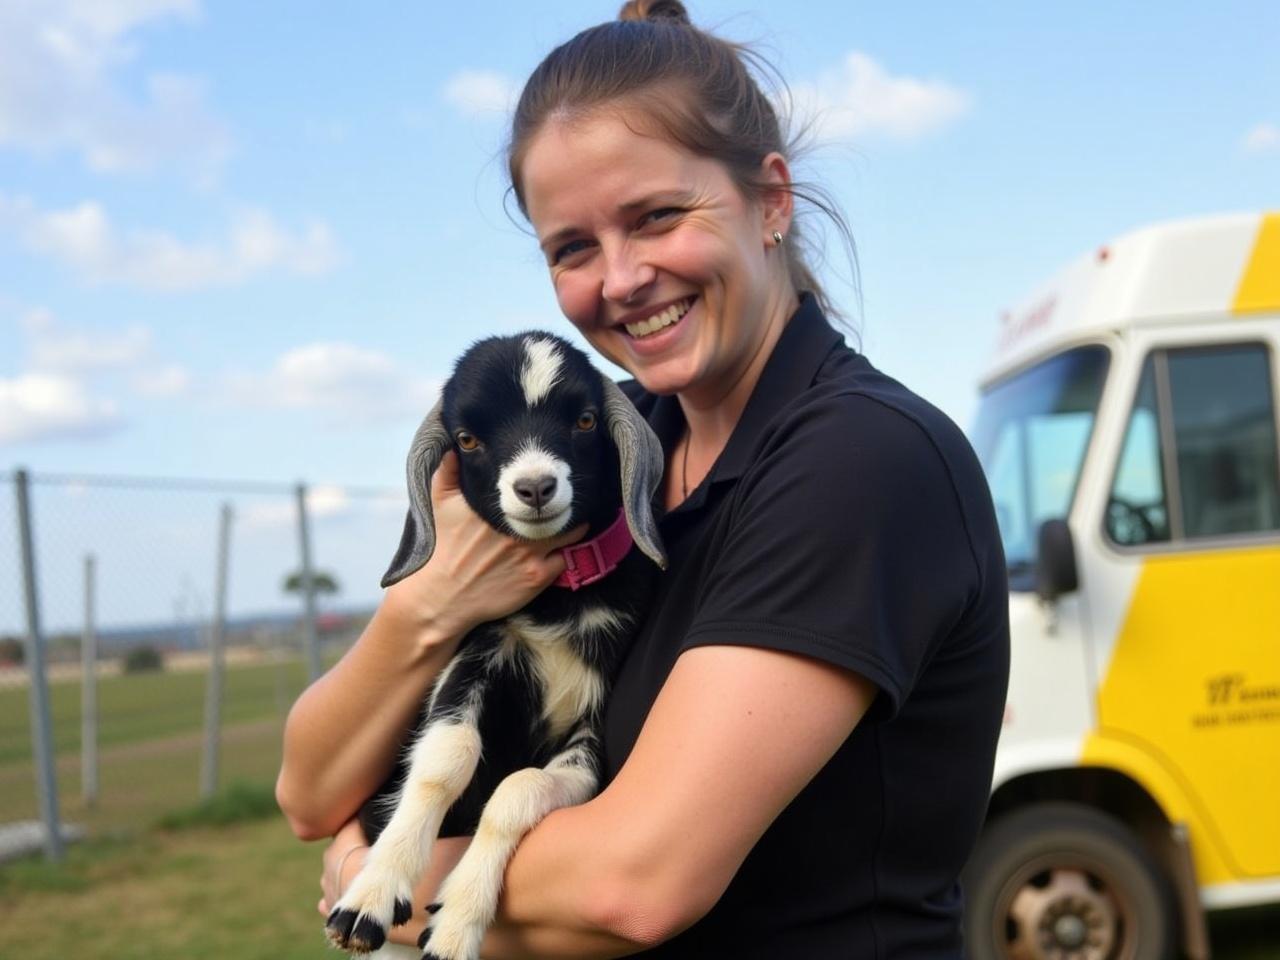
[(1031, 434)]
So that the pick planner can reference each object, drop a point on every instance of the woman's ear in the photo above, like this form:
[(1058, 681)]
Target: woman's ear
[(777, 202)]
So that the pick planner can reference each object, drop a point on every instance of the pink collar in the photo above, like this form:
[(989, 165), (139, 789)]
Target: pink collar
[(595, 559)]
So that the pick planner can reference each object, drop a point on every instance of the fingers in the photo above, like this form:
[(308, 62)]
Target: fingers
[(563, 540), (445, 480)]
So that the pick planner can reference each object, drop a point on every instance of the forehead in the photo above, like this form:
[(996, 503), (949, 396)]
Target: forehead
[(505, 375), (597, 164)]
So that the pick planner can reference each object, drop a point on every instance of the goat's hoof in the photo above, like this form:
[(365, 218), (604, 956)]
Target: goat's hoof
[(432, 909), (354, 932)]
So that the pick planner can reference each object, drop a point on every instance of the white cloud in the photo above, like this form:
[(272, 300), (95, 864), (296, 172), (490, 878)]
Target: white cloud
[(84, 238), (482, 92), (41, 406), (324, 502), (860, 98), (56, 349), (66, 368), (60, 89), (344, 382), (1264, 138), (170, 380)]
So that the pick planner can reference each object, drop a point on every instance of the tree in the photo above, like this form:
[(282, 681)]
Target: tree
[(13, 652), (322, 582)]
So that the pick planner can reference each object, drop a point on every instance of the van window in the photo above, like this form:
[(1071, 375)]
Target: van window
[(1031, 434), (1199, 457), (1138, 509)]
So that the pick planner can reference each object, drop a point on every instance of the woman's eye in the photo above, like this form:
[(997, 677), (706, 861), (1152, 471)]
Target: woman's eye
[(662, 213), (587, 421), (467, 441), (568, 250)]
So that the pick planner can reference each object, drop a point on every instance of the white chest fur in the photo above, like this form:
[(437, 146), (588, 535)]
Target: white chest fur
[(571, 688)]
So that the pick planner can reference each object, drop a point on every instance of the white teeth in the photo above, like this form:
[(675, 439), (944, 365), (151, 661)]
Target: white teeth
[(643, 328)]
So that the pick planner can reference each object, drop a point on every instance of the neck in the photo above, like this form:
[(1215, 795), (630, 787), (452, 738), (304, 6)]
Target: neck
[(711, 417)]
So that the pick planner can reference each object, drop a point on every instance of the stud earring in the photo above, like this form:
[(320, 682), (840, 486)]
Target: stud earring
[(777, 238)]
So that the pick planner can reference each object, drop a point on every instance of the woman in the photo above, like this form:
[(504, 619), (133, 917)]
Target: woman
[(799, 746)]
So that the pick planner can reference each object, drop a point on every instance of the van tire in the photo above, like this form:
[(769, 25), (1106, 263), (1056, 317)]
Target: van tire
[(1068, 882)]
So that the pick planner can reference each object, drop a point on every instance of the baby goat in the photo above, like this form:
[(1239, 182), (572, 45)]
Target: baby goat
[(544, 443)]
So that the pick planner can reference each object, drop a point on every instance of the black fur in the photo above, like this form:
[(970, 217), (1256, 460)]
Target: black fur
[(484, 398), (493, 677)]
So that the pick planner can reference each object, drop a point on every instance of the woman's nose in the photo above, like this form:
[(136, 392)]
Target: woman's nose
[(625, 274)]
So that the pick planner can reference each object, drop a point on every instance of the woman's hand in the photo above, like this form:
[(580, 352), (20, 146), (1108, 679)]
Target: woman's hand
[(476, 574), (342, 860), (347, 853)]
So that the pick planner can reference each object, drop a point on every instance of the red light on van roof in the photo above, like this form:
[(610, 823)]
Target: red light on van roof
[(1104, 254)]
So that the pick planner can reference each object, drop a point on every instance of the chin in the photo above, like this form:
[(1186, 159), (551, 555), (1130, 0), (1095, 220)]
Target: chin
[(664, 378), (538, 529)]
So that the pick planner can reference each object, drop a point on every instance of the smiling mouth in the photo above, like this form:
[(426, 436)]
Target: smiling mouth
[(660, 321)]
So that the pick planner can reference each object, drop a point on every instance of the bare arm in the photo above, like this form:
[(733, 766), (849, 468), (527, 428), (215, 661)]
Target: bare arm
[(734, 735), (342, 734)]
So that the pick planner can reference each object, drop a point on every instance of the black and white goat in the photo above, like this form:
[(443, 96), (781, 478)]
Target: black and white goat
[(510, 731)]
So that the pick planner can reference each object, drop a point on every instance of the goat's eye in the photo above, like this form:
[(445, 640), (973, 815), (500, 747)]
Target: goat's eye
[(467, 441), (587, 421)]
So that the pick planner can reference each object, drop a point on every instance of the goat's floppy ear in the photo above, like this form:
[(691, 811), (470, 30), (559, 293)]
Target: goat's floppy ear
[(418, 541), (640, 455)]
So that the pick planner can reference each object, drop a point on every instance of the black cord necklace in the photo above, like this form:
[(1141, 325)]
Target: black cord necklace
[(684, 468)]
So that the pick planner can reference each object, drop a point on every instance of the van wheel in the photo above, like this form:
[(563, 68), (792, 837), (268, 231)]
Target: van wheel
[(1062, 881)]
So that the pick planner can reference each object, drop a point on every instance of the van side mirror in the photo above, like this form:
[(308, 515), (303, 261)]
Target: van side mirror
[(1056, 572)]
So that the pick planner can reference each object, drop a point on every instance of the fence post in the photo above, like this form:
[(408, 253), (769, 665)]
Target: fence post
[(213, 691), (41, 728), (89, 690), (310, 640)]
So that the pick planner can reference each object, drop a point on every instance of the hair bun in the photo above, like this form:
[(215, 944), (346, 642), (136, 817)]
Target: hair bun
[(655, 10)]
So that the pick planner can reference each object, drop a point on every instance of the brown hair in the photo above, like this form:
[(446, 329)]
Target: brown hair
[(697, 88)]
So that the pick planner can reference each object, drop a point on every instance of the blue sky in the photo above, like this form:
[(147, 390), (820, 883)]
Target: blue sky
[(246, 240)]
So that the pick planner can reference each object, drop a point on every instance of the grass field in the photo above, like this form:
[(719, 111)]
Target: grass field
[(246, 890), (150, 741)]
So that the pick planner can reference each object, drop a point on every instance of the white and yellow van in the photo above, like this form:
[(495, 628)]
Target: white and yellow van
[(1128, 427)]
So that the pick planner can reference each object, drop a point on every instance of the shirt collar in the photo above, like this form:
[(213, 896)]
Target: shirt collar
[(805, 342)]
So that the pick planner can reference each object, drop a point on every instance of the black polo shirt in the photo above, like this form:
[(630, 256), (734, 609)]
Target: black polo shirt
[(846, 520)]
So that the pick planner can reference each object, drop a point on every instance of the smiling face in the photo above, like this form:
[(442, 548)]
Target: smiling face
[(656, 255)]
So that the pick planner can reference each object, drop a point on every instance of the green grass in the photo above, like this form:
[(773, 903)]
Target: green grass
[(239, 803), (146, 706), (150, 742), (247, 891), (163, 874)]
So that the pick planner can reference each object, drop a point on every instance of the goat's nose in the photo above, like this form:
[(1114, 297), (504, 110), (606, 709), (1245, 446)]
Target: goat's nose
[(535, 491)]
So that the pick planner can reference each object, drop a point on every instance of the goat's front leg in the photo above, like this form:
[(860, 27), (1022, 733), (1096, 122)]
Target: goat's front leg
[(468, 898), (442, 763)]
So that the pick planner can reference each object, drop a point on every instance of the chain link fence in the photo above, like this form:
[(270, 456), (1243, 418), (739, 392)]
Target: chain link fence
[(132, 566)]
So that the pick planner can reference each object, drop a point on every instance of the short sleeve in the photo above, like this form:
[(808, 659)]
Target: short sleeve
[(844, 541)]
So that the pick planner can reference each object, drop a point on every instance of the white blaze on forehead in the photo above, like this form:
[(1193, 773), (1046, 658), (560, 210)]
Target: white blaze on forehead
[(541, 369)]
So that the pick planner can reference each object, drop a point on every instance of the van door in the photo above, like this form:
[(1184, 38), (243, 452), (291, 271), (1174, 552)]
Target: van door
[(1194, 673)]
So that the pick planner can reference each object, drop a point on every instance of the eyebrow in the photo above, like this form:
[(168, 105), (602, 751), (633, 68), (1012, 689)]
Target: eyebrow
[(656, 198)]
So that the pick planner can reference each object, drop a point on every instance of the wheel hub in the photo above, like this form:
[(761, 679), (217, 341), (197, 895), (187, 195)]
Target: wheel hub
[(1070, 930), (1060, 915)]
